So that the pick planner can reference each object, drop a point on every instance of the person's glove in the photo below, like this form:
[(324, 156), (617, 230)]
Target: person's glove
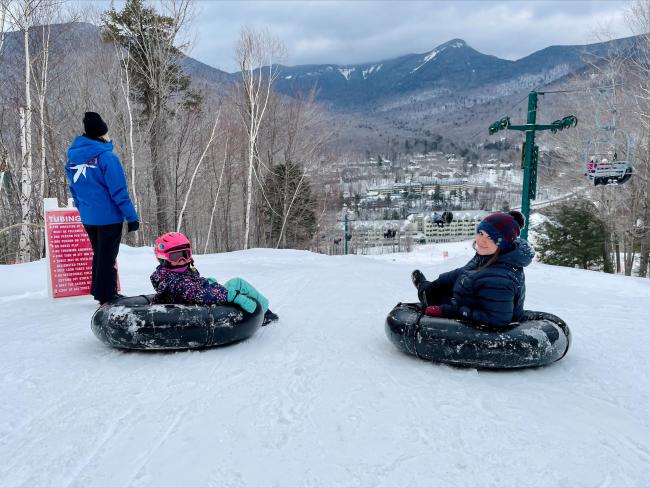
[(433, 311), (133, 226), (247, 304), (212, 281)]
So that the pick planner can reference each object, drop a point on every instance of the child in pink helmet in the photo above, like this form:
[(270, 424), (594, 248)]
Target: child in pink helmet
[(176, 280)]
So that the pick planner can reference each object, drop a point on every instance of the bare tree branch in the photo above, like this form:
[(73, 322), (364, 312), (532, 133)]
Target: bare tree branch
[(196, 169)]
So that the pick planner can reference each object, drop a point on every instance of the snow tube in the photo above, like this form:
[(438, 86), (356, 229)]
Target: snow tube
[(539, 339), (136, 323)]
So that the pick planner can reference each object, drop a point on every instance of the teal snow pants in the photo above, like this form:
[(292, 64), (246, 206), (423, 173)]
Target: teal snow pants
[(241, 292)]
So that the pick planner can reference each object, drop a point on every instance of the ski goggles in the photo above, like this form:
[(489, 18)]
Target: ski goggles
[(179, 256)]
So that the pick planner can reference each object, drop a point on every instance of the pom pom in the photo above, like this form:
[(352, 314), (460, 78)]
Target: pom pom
[(519, 218)]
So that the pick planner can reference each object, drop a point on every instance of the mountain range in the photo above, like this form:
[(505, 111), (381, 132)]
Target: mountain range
[(418, 89), (451, 68), (453, 89)]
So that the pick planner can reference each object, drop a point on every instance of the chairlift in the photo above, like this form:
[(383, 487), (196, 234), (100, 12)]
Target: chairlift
[(602, 165)]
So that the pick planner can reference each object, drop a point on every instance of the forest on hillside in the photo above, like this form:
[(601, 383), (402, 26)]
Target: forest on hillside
[(234, 164)]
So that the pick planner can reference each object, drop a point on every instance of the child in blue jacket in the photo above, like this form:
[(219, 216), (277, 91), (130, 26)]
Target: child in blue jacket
[(98, 188), (490, 288), (176, 280)]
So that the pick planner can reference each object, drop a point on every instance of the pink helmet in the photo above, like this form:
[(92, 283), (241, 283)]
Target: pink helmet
[(173, 247)]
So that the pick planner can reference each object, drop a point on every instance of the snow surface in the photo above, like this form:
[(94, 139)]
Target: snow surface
[(322, 398)]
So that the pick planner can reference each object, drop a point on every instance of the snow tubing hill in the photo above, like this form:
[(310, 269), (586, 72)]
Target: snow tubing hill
[(136, 323), (540, 339)]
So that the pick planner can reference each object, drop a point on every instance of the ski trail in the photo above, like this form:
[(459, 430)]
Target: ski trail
[(28, 295), (145, 457), (106, 437), (295, 405), (43, 413), (643, 452)]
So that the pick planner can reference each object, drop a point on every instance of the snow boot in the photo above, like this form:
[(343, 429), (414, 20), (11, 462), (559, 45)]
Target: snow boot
[(269, 317), (417, 277)]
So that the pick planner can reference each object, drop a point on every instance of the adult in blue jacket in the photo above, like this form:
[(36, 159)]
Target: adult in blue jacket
[(490, 289), (98, 187)]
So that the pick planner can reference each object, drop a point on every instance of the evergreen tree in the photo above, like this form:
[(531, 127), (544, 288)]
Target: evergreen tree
[(575, 237), (291, 220), (148, 40), (438, 198)]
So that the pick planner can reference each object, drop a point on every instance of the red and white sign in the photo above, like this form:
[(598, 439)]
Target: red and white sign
[(70, 255)]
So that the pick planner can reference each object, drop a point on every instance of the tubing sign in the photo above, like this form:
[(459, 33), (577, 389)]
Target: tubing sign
[(69, 253)]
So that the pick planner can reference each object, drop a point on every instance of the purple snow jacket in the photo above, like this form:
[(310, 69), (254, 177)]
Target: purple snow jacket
[(186, 288)]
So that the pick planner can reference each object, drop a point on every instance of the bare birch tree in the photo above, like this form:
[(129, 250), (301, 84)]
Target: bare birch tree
[(21, 14), (125, 84), (257, 54), (3, 19), (216, 199), (196, 169), (40, 83)]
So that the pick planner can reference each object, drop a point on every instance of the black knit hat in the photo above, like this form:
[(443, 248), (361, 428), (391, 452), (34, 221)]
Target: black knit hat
[(94, 126)]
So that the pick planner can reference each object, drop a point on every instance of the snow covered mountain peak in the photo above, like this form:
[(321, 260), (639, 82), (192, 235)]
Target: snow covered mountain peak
[(454, 43)]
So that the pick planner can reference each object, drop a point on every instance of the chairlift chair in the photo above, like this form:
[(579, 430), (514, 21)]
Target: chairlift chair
[(608, 171)]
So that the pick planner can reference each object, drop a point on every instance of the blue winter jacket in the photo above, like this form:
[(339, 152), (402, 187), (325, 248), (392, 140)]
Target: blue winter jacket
[(493, 296), (97, 183)]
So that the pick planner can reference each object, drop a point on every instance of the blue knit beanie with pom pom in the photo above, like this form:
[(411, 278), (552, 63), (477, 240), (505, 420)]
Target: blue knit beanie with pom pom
[(503, 228)]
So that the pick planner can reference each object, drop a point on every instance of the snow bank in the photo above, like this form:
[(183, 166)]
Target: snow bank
[(321, 398)]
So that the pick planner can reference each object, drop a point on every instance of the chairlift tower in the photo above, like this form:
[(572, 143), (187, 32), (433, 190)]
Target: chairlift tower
[(531, 150), (347, 236)]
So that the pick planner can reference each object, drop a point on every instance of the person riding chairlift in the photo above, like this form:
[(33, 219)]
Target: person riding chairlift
[(591, 165)]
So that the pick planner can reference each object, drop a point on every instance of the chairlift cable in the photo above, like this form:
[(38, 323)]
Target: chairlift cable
[(506, 111), (583, 90)]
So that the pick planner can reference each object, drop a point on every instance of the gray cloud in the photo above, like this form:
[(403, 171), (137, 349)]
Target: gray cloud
[(345, 32)]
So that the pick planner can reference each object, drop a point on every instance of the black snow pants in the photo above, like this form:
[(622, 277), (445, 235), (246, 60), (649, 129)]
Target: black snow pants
[(105, 241), (431, 294)]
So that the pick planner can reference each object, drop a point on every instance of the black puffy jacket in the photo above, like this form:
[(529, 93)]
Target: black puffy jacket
[(494, 295)]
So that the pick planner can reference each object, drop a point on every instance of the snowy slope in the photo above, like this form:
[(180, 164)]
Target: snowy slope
[(321, 398)]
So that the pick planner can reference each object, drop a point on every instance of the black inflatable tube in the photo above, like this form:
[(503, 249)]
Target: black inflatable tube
[(540, 339), (136, 323)]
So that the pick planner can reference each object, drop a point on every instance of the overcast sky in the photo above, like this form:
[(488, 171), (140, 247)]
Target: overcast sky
[(345, 32)]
